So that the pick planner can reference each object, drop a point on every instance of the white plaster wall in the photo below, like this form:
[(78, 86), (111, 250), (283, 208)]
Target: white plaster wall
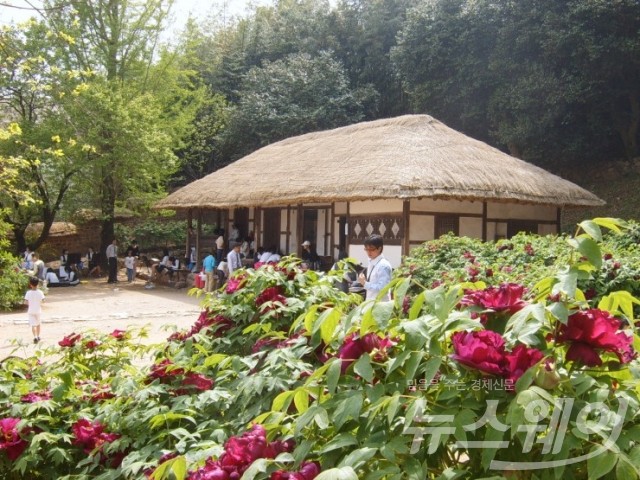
[(491, 230), (393, 253), (471, 227), (421, 228), (375, 206), (520, 212), (547, 229), (340, 208), (445, 206)]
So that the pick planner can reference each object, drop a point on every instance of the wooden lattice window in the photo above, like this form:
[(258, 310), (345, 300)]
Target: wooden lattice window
[(446, 223)]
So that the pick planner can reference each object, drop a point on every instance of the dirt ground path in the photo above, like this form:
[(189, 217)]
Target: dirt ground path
[(94, 304)]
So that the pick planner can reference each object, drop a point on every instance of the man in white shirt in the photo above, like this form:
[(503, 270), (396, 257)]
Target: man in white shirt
[(379, 269), (234, 261)]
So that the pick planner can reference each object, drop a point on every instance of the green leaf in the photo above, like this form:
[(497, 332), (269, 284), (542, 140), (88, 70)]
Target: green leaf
[(382, 312), (625, 469), (416, 306), (339, 441), (611, 223), (164, 418), (412, 364), (619, 301), (327, 323), (301, 400), (392, 408), (592, 229), (400, 290), (588, 248), (356, 458), (333, 374), (282, 401), (258, 466), (363, 368), (599, 465), (343, 473), (349, 408), (177, 466)]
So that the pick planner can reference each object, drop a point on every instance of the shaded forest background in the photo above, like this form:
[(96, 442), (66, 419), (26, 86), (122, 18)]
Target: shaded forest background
[(111, 118)]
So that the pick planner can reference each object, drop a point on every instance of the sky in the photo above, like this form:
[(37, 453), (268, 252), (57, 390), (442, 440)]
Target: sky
[(19, 10)]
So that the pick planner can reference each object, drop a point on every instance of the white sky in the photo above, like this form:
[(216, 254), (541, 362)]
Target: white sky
[(20, 10)]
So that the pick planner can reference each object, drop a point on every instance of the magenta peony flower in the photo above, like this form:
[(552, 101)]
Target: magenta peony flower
[(234, 284), (10, 439), (519, 360), (483, 350), (34, 397), (91, 437), (505, 298), (70, 340), (308, 471), (590, 331)]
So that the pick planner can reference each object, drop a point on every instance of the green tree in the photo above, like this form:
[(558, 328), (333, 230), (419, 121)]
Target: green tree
[(293, 96), (138, 109), (34, 89), (365, 32)]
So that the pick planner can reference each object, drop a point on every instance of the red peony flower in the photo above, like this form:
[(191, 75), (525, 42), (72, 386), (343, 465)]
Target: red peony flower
[(70, 340), (118, 334), (164, 370), (198, 381), (590, 331), (483, 350), (91, 344), (10, 439), (101, 393), (505, 298), (354, 347), (271, 294)]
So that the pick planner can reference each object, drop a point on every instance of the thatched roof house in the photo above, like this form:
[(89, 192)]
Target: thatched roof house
[(410, 178)]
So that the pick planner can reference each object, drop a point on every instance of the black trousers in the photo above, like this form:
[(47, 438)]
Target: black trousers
[(113, 270)]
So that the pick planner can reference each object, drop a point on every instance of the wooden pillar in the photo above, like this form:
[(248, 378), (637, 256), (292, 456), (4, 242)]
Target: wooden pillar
[(558, 220), (406, 219), (299, 229), (198, 234), (484, 221)]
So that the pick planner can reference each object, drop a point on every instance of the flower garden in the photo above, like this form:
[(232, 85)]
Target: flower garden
[(508, 359)]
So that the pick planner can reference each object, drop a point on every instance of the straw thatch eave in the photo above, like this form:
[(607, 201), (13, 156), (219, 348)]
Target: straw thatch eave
[(413, 156)]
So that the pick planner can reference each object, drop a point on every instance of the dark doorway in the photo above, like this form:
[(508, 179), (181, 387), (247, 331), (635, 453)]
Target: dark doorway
[(271, 228), (310, 227), (241, 219)]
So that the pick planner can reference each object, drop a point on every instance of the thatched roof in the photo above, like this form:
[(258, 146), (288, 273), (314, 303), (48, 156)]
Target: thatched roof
[(404, 157)]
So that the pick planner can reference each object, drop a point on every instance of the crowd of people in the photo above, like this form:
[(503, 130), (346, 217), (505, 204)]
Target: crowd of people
[(217, 264), (215, 267)]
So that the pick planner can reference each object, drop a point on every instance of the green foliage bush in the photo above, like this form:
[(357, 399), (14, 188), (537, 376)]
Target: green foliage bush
[(351, 387), (13, 283)]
